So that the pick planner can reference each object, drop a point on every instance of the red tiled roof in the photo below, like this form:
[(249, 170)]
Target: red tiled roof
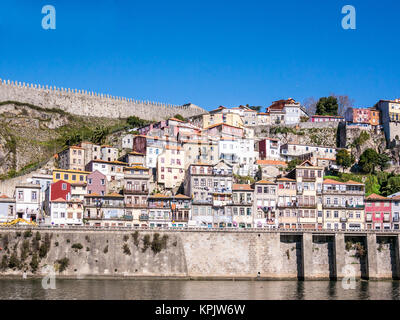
[(331, 181), (272, 162), (265, 182), (354, 182), (242, 187), (286, 179), (182, 196), (175, 119), (375, 196)]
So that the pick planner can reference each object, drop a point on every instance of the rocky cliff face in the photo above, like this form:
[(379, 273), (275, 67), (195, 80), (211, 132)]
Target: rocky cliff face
[(326, 136), (30, 135)]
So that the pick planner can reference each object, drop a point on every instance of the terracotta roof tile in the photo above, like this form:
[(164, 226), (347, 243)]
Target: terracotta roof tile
[(375, 196), (264, 182), (271, 162), (242, 187)]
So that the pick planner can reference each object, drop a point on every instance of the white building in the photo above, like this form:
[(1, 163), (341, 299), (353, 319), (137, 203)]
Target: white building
[(127, 141), (27, 201), (228, 150), (109, 153), (247, 158), (66, 212), (293, 113), (113, 170), (291, 151)]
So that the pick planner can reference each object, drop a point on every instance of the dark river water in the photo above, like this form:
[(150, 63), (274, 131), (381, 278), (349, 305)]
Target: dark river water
[(198, 290)]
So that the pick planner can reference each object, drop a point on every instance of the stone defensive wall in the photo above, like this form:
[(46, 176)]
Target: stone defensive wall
[(88, 103), (206, 254)]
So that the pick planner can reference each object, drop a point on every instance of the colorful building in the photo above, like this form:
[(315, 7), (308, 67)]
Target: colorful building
[(264, 204), (343, 205), (96, 183), (378, 212), (287, 203), (171, 167), (70, 176), (72, 158)]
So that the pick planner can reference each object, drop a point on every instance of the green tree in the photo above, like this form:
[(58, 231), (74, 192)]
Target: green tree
[(369, 160), (344, 159), (255, 108), (392, 186), (180, 117), (383, 161), (136, 122), (327, 106), (372, 185), (293, 163), (99, 135)]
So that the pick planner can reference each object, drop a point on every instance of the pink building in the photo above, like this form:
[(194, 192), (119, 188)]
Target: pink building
[(96, 183), (224, 130), (378, 212), (358, 115)]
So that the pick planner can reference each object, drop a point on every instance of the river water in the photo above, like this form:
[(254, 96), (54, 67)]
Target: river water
[(198, 290)]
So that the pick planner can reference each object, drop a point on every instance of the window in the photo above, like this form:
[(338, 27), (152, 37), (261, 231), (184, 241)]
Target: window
[(34, 195), (64, 186), (58, 176), (66, 176)]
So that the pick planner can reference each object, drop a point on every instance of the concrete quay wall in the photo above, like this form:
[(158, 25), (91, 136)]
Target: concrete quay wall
[(198, 254)]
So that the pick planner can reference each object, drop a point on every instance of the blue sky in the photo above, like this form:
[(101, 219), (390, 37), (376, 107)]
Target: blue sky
[(209, 53)]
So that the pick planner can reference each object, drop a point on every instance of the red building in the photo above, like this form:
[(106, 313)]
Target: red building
[(378, 212), (60, 189)]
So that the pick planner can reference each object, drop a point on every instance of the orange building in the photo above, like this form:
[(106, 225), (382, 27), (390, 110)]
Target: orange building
[(374, 118)]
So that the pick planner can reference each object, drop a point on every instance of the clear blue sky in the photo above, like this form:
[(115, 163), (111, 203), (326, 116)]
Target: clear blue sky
[(209, 53)]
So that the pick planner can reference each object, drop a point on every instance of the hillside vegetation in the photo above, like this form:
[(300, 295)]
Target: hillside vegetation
[(31, 135)]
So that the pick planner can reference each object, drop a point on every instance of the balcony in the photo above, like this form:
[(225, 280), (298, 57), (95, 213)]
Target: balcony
[(143, 217), (159, 205), (180, 219), (129, 218), (334, 191), (136, 191), (308, 205), (243, 203), (136, 205), (287, 205), (202, 201), (355, 206), (333, 206), (183, 207), (221, 203), (309, 179), (222, 190)]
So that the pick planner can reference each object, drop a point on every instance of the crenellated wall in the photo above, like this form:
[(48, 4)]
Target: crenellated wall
[(89, 103)]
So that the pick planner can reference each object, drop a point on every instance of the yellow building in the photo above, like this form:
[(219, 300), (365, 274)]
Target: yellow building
[(309, 181), (70, 176), (171, 167), (72, 158), (229, 118)]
